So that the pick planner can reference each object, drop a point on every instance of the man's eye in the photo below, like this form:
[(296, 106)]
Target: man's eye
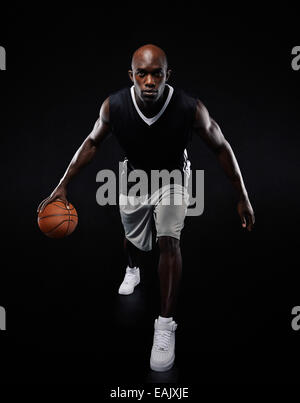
[(141, 73)]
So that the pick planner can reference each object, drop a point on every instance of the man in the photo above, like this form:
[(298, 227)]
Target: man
[(153, 123)]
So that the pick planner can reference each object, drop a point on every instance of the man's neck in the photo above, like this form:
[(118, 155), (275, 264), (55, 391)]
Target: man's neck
[(152, 109)]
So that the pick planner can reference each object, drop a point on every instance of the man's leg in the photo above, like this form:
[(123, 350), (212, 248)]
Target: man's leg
[(169, 221), (169, 270), (131, 253), (132, 275), (136, 220)]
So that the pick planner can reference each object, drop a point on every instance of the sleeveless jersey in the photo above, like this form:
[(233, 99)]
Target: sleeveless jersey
[(158, 142)]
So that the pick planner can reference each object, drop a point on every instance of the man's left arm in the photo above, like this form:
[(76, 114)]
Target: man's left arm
[(210, 132)]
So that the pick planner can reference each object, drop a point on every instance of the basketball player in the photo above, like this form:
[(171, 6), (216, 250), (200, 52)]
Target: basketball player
[(153, 123)]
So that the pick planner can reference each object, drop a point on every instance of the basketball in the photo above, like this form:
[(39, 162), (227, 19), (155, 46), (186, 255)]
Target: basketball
[(58, 220)]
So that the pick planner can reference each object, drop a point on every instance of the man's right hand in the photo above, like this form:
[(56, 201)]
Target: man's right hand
[(59, 193)]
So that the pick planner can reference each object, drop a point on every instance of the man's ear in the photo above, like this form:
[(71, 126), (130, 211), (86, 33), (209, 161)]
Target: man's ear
[(130, 73), (169, 72)]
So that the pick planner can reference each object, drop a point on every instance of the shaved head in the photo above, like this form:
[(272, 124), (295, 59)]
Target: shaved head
[(149, 54), (149, 73)]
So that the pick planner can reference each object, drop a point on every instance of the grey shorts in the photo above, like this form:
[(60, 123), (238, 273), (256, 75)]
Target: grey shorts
[(167, 207)]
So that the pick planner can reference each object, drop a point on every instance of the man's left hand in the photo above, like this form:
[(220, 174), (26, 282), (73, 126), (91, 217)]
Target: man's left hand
[(246, 213)]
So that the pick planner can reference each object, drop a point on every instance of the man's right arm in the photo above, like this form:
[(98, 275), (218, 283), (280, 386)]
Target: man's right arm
[(83, 155)]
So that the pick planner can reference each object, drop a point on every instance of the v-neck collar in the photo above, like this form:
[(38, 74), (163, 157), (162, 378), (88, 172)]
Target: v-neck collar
[(150, 121)]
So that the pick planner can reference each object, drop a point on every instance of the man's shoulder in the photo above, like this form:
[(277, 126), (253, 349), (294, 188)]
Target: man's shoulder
[(185, 93), (119, 103), (120, 93), (185, 98)]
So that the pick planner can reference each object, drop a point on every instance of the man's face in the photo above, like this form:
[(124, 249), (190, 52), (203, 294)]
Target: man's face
[(149, 75)]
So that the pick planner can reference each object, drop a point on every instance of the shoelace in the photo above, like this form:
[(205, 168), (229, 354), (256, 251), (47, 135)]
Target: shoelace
[(162, 339), (129, 277)]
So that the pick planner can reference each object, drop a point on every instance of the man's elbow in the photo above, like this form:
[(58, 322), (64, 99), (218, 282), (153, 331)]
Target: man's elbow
[(89, 144), (222, 145)]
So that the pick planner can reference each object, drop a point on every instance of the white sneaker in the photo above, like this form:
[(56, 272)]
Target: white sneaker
[(131, 279), (163, 349)]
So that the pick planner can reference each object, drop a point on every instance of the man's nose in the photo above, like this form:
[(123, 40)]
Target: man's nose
[(149, 81)]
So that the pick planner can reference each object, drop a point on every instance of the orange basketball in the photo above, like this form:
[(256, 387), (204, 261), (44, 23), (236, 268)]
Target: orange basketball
[(58, 220)]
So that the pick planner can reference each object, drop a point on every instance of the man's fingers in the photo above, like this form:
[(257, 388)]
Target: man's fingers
[(246, 215), (249, 227), (40, 207), (244, 223), (251, 221), (64, 200), (49, 200), (44, 204)]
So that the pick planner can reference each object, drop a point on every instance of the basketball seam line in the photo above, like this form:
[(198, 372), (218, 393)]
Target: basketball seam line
[(57, 215), (49, 232), (64, 208)]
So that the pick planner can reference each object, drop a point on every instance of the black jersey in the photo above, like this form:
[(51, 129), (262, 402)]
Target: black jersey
[(158, 142)]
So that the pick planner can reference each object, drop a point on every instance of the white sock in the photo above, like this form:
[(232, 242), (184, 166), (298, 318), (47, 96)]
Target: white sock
[(165, 320), (132, 268)]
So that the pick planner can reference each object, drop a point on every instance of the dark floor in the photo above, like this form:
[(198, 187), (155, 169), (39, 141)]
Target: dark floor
[(66, 322)]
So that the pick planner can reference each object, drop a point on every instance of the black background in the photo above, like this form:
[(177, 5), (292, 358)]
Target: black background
[(65, 319)]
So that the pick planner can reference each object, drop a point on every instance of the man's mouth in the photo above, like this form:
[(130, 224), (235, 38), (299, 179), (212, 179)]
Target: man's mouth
[(149, 93)]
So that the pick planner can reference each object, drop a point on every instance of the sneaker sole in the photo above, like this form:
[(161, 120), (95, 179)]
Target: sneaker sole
[(158, 368), (128, 293)]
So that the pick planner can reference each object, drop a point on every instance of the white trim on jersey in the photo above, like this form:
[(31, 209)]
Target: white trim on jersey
[(150, 121), (187, 163)]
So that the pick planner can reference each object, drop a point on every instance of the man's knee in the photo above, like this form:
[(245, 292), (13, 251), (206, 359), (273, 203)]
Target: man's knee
[(168, 244)]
